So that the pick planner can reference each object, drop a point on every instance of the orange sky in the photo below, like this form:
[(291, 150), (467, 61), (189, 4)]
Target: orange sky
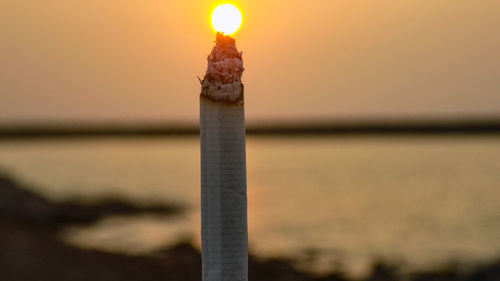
[(121, 60)]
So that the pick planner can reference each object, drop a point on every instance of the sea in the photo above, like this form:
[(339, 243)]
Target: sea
[(327, 202)]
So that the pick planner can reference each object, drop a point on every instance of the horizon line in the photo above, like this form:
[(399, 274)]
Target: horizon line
[(487, 126)]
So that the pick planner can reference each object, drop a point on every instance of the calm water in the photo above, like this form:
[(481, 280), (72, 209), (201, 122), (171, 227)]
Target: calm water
[(423, 201)]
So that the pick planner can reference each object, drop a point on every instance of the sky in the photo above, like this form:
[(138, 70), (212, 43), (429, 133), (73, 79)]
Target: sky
[(138, 61)]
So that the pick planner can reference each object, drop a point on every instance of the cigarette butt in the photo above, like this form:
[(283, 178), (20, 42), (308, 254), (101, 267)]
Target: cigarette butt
[(223, 191)]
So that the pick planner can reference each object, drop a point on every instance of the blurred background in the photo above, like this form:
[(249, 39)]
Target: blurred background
[(373, 139)]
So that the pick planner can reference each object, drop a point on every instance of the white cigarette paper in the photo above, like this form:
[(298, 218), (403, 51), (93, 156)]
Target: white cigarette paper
[(223, 166)]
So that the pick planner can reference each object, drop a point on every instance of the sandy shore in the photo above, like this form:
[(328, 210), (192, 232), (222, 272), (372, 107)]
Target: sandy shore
[(31, 250)]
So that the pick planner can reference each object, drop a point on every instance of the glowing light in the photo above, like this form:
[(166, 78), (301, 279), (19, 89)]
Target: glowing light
[(226, 18)]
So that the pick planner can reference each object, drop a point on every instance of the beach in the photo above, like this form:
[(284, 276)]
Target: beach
[(395, 205), (32, 250)]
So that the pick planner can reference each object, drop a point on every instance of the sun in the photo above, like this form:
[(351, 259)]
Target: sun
[(226, 18)]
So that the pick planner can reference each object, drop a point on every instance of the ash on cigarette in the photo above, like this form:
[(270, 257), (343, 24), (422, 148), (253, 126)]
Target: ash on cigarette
[(222, 80)]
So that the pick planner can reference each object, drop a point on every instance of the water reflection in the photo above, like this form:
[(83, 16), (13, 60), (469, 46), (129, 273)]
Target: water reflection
[(344, 201)]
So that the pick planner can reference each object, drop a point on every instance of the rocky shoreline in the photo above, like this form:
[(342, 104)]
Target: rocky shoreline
[(31, 249)]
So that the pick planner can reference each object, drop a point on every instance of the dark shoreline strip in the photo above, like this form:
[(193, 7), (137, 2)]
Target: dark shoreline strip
[(413, 128)]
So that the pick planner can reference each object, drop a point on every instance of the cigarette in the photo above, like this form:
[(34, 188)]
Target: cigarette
[(223, 166)]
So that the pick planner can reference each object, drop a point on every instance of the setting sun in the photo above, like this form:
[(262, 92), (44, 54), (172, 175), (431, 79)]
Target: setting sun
[(226, 18)]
